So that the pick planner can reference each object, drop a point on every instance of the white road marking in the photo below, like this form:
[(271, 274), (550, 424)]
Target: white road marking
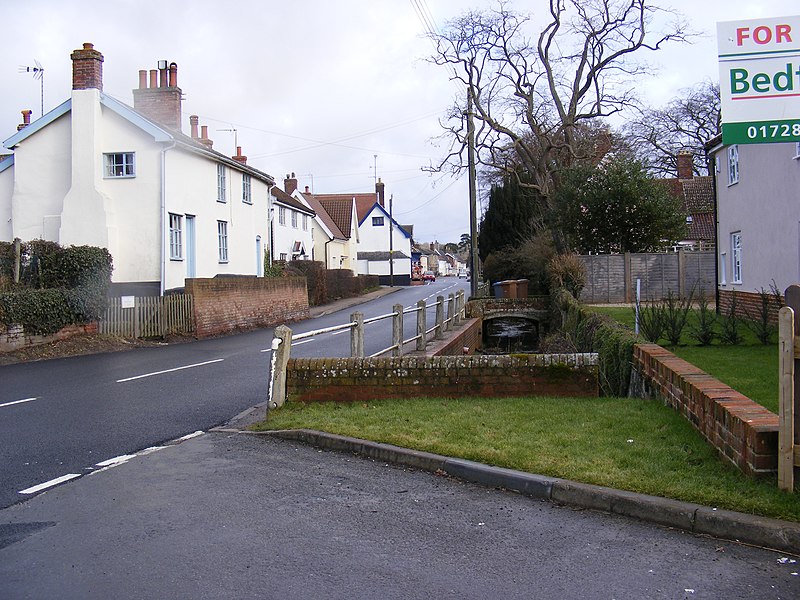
[(48, 484), (117, 460), (17, 402), (208, 362), (341, 332), (267, 350), (189, 436), (300, 343)]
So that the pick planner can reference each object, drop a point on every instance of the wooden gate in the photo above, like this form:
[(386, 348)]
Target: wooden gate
[(149, 316), (789, 410)]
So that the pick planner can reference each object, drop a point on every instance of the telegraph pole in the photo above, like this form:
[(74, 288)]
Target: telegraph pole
[(473, 213)]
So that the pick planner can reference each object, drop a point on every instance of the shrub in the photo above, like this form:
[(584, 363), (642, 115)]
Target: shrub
[(314, 272), (567, 271), (45, 311), (651, 321), (731, 334), (526, 261), (704, 332), (762, 323), (676, 313)]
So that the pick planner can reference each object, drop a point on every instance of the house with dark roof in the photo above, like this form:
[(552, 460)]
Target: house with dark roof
[(697, 201), (291, 224), (167, 206)]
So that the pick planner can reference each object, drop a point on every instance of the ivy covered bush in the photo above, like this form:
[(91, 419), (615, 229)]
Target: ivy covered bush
[(57, 286)]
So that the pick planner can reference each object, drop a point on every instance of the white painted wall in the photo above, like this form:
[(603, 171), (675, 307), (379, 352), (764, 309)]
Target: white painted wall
[(6, 191), (765, 207), (285, 234)]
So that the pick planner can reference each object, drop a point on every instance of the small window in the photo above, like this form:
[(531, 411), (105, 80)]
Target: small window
[(723, 268), (284, 256), (282, 215), (120, 164), (377, 221), (221, 183), (689, 219), (736, 256), (175, 237), (294, 219), (733, 165), (305, 222), (222, 240), (246, 197)]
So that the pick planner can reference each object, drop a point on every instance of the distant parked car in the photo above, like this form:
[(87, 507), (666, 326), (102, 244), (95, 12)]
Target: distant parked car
[(462, 274), (428, 276)]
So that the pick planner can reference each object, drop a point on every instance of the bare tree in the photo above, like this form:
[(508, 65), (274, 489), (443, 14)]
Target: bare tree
[(535, 97), (687, 122)]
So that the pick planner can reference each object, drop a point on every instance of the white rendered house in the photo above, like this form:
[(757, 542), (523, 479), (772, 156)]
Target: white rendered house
[(292, 219), (166, 205)]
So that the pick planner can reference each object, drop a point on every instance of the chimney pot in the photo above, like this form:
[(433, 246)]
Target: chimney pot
[(153, 78), (204, 137), (307, 190), (193, 120), (290, 184), (162, 76), (87, 68), (26, 119), (173, 75), (142, 79), (239, 158)]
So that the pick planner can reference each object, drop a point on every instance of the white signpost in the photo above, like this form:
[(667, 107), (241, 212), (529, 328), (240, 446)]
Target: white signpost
[(759, 80)]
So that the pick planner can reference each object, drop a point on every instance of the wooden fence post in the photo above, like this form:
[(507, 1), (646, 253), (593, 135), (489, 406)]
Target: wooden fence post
[(438, 334), (786, 399), (422, 325), (397, 330), (281, 348), (17, 259), (792, 296), (357, 335)]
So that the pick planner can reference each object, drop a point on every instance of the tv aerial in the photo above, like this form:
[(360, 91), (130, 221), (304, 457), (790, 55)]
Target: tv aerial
[(38, 73)]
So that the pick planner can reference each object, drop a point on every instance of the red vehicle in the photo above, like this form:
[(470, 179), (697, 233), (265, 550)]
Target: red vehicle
[(428, 276)]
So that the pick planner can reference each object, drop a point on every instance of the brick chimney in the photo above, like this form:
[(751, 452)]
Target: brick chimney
[(87, 68), (161, 101), (26, 119), (204, 137), (379, 190), (685, 165), (238, 157), (290, 184), (193, 121)]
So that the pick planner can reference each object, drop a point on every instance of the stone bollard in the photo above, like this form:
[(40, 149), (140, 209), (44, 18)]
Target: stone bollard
[(281, 347)]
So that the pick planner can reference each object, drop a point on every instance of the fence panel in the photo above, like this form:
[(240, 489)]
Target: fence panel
[(150, 316)]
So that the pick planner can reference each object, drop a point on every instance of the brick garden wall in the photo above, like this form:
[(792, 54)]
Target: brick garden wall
[(748, 305), (470, 336), (225, 304), (741, 430), (361, 379)]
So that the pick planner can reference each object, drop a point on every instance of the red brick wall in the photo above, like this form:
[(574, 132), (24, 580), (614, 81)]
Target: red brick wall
[(743, 431), (469, 335), (13, 337), (748, 304), (162, 105), (226, 304), (360, 379)]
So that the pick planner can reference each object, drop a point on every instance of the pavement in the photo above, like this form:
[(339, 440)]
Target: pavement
[(337, 305)]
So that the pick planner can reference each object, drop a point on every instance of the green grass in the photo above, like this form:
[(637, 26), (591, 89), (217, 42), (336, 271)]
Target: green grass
[(750, 368), (625, 443)]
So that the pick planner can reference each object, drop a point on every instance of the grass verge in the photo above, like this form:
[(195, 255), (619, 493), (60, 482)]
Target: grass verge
[(624, 443), (750, 367)]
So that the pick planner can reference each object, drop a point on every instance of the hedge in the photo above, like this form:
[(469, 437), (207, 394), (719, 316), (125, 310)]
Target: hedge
[(593, 332), (43, 312)]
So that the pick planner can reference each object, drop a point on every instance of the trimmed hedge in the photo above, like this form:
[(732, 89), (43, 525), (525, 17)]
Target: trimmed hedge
[(593, 332), (58, 286)]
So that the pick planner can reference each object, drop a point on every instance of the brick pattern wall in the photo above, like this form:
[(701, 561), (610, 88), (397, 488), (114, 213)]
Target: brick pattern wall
[(469, 335), (226, 304), (748, 305), (13, 337), (162, 105), (362, 379), (532, 305), (744, 432), (87, 68)]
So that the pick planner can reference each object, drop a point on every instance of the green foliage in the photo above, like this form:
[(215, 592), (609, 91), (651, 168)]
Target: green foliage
[(761, 323), (567, 271), (527, 261), (731, 324), (594, 332), (703, 331), (652, 322), (314, 272), (45, 311), (676, 313), (616, 207), (509, 217)]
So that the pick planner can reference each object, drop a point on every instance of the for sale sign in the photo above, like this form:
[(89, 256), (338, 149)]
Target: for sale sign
[(759, 80)]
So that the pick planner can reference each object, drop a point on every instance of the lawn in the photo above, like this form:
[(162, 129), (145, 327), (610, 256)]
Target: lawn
[(750, 367), (625, 443)]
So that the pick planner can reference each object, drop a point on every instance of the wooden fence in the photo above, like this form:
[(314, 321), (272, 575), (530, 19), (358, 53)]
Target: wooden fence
[(150, 316), (612, 277)]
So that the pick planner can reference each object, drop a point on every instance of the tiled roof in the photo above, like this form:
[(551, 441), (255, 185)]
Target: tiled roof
[(341, 212), (288, 200), (325, 216), (364, 202), (698, 195), (702, 227)]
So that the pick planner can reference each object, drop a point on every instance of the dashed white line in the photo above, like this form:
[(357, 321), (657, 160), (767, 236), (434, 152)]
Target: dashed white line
[(17, 402), (208, 362), (301, 342), (49, 484)]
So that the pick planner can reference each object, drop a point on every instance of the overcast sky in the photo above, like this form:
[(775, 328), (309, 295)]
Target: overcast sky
[(314, 87)]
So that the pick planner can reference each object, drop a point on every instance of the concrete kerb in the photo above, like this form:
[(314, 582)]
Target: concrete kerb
[(695, 518)]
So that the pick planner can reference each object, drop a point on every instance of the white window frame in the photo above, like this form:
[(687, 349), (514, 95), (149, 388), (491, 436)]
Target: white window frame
[(222, 181), (736, 257), (222, 241), (294, 219), (247, 189), (797, 150), (377, 221), (119, 165), (305, 222), (282, 215), (733, 164), (175, 236)]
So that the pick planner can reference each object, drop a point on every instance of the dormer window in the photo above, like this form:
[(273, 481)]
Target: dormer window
[(120, 164)]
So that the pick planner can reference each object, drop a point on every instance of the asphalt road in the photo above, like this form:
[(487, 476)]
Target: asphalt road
[(60, 418), (241, 516)]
